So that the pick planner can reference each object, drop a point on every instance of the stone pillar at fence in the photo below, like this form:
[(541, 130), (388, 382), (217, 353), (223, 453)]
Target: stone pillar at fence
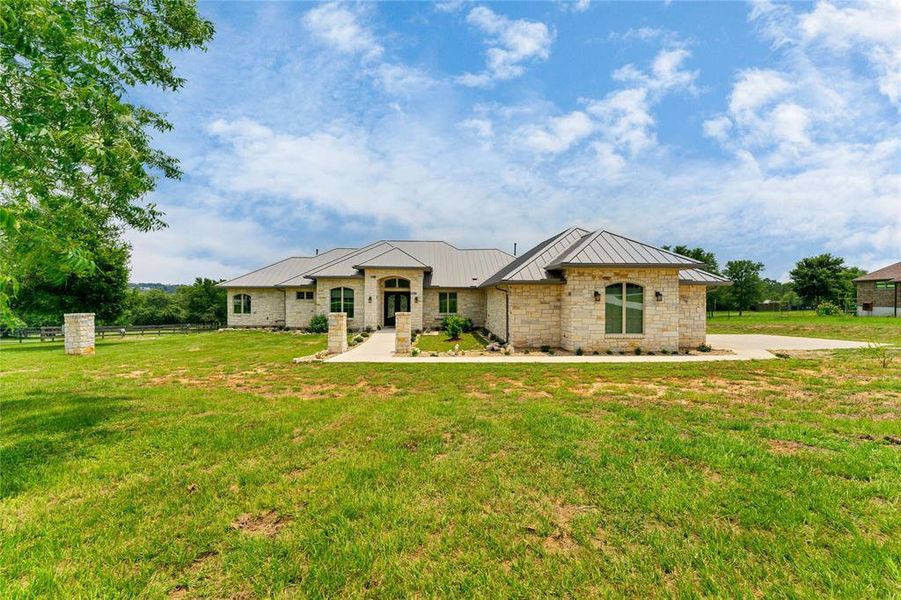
[(337, 333), (78, 329), (403, 341)]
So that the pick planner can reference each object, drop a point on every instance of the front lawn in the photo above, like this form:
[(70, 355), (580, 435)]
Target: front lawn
[(209, 465), (808, 324), (441, 343)]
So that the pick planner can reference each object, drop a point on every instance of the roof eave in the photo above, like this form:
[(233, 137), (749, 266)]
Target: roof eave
[(569, 265)]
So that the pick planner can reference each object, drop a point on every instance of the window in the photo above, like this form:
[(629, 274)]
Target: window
[(624, 308), (397, 284), (304, 295), (241, 304), (447, 302), (342, 300), (884, 285)]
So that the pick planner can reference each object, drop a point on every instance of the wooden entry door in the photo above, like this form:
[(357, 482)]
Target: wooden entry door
[(395, 302)]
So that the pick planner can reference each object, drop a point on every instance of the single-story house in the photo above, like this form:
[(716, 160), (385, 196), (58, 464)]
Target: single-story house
[(593, 290), (877, 292)]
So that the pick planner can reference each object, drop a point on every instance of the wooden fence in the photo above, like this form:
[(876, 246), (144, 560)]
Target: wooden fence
[(51, 334)]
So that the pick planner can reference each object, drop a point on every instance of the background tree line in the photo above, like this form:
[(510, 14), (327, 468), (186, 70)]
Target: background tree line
[(814, 280)]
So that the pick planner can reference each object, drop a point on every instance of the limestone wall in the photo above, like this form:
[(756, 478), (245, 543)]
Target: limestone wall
[(692, 315), (470, 304), (267, 308), (79, 333), (374, 288), (323, 298), (496, 312), (337, 333), (535, 315), (584, 325), (403, 336), (299, 312)]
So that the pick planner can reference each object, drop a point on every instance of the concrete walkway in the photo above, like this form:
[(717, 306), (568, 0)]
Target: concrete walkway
[(379, 348)]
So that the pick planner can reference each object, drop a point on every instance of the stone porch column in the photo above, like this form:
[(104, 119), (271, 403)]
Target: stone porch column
[(403, 336), (79, 333), (337, 332)]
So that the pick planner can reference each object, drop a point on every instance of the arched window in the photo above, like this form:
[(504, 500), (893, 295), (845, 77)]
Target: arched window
[(342, 300), (397, 284), (624, 308), (241, 304)]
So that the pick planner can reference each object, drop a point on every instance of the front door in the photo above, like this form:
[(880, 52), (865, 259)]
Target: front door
[(395, 302)]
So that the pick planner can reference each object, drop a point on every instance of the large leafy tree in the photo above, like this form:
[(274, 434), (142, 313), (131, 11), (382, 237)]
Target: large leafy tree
[(706, 257), (203, 302), (746, 283), (819, 278), (70, 141)]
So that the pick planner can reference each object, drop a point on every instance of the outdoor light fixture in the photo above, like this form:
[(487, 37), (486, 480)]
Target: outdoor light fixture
[(597, 296), (370, 299), (659, 296), (416, 299)]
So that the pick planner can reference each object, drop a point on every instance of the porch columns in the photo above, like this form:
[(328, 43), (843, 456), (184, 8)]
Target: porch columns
[(337, 332), (403, 341), (79, 333)]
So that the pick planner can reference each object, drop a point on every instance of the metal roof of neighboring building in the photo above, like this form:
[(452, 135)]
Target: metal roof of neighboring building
[(892, 272), (531, 266), (605, 249), (276, 273), (702, 277)]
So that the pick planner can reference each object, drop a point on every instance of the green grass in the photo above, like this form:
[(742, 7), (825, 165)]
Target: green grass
[(209, 465), (441, 343), (808, 324)]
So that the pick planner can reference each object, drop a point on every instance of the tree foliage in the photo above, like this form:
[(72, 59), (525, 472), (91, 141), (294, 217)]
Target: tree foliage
[(706, 257), (823, 277), (200, 302), (746, 284), (69, 141)]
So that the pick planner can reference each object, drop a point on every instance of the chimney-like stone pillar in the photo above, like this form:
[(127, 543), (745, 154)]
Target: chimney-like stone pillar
[(337, 332), (78, 329), (403, 341)]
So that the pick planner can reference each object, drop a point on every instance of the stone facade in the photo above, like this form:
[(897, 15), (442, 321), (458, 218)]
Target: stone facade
[(79, 333), (267, 308), (299, 312), (692, 316), (323, 298), (337, 333), (881, 302), (534, 315), (470, 304), (496, 312), (375, 287), (403, 333)]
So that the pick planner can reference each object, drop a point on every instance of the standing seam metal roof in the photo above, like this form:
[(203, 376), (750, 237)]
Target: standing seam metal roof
[(702, 277), (531, 266), (275, 273), (603, 248)]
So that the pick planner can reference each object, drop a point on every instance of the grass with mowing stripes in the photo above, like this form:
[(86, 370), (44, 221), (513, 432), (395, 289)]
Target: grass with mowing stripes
[(210, 465), (808, 324)]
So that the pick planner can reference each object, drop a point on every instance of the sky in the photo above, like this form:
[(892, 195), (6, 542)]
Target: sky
[(761, 131)]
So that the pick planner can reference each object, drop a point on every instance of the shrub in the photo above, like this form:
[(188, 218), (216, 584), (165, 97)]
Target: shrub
[(319, 324), (358, 338), (365, 334), (704, 348), (638, 351), (828, 309), (415, 352), (545, 348), (454, 326), (579, 351)]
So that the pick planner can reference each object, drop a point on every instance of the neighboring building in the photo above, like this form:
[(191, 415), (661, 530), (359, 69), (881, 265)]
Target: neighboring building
[(877, 292), (596, 291)]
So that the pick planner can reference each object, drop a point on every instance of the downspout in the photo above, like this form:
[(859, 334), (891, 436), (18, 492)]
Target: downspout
[(506, 312), (285, 305)]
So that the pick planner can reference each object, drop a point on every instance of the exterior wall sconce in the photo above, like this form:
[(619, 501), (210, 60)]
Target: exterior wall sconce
[(416, 299), (370, 299), (597, 296), (659, 296)]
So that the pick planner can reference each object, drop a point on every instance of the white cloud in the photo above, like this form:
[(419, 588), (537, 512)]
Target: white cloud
[(560, 133), (756, 88), (340, 27), (481, 127), (717, 128), (511, 43)]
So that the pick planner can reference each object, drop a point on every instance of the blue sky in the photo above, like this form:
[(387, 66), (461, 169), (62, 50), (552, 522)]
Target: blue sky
[(764, 131)]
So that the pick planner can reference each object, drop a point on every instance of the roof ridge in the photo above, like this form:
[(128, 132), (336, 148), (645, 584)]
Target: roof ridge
[(393, 248), (223, 283), (344, 257)]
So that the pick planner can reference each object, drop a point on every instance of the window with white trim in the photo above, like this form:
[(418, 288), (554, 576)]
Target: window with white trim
[(624, 308), (241, 304), (447, 303), (342, 300)]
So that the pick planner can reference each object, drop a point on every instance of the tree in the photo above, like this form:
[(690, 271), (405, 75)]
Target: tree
[(153, 307), (43, 299), (708, 258), (818, 278), (746, 284), (203, 302), (70, 143)]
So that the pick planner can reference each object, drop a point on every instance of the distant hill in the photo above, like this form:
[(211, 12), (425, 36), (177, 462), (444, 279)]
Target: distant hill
[(166, 287)]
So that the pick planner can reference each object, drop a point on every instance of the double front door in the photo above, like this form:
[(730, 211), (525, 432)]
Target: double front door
[(395, 302)]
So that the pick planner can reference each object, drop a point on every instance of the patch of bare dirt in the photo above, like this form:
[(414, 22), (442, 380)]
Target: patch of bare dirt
[(561, 541), (788, 447), (266, 524)]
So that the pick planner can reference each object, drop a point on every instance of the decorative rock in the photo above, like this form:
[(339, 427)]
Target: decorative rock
[(403, 339), (79, 333), (337, 332), (508, 350)]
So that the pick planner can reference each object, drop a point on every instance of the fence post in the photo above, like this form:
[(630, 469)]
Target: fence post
[(79, 333)]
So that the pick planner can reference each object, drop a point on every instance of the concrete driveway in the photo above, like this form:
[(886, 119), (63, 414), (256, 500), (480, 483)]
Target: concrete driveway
[(379, 348)]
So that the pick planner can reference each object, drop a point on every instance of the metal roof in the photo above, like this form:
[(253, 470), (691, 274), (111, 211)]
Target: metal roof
[(275, 273), (531, 266), (395, 258), (892, 272), (701, 277), (452, 266), (605, 249)]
